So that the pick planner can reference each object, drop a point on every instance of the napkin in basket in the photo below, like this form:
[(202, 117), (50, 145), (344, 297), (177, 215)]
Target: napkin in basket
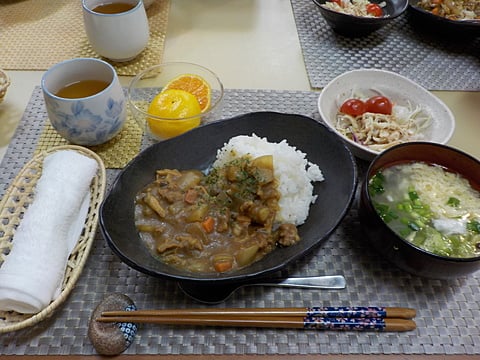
[(32, 274)]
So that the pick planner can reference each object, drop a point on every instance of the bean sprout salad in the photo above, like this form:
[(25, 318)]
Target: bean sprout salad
[(452, 9), (363, 8), (377, 123)]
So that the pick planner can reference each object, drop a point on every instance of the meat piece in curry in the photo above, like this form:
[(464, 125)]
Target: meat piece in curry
[(211, 223)]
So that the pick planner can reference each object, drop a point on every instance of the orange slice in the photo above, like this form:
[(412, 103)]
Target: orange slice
[(195, 85)]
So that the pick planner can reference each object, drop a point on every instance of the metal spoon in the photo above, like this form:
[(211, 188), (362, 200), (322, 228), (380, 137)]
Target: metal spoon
[(214, 294)]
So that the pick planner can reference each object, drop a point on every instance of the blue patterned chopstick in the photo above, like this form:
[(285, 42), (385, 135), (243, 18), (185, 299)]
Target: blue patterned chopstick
[(359, 324), (360, 312), (325, 311), (318, 318), (307, 322)]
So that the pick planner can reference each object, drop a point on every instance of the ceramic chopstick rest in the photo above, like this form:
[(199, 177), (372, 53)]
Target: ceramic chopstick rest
[(112, 338), (32, 274)]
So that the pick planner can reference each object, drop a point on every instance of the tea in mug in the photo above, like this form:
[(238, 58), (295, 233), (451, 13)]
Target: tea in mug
[(113, 8), (81, 89)]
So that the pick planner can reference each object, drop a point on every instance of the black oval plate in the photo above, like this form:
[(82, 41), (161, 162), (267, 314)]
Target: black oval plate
[(197, 149)]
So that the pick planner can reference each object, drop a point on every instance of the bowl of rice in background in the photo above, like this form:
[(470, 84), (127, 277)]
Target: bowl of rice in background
[(417, 114), (420, 209), (317, 177), (446, 18), (355, 18)]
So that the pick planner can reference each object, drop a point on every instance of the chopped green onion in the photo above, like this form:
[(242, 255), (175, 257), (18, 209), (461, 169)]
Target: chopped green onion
[(375, 185), (474, 226), (417, 202), (385, 213), (453, 202), (420, 237), (389, 216), (412, 194)]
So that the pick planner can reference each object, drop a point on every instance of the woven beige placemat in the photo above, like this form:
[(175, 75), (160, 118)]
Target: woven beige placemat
[(35, 34), (115, 154)]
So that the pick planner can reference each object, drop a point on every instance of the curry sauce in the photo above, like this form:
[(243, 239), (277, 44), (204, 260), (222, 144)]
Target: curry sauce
[(218, 222)]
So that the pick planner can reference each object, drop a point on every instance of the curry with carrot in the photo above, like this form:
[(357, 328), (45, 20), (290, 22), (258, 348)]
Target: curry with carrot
[(218, 222)]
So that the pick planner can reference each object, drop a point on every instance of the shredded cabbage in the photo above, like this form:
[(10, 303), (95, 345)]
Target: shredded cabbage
[(379, 131)]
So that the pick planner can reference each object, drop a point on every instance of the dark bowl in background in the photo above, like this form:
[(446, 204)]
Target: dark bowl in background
[(425, 21), (355, 26), (394, 248), (197, 149)]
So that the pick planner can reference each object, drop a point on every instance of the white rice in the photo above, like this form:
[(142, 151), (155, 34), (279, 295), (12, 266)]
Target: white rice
[(293, 171)]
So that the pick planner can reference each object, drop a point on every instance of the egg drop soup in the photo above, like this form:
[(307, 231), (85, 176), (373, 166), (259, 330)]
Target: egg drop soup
[(429, 206)]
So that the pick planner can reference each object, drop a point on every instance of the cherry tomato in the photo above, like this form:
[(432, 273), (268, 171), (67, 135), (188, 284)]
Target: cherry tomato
[(353, 107), (375, 10), (379, 105)]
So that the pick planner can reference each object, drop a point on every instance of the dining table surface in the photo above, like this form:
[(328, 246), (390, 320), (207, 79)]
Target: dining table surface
[(256, 49)]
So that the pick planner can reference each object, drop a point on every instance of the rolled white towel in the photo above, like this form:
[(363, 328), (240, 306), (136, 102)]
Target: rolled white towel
[(32, 274)]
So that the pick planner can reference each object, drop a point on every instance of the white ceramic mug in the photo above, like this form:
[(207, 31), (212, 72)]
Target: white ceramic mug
[(120, 36), (89, 120)]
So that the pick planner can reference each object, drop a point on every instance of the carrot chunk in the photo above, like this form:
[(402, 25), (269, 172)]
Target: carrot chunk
[(208, 224), (222, 265)]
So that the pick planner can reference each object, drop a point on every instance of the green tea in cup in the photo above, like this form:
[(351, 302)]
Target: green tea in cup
[(85, 101), (113, 8), (81, 89), (117, 30)]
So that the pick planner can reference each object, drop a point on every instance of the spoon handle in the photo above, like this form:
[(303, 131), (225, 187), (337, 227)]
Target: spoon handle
[(311, 282)]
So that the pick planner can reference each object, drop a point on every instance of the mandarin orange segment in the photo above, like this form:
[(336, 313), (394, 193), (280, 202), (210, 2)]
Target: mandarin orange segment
[(195, 85)]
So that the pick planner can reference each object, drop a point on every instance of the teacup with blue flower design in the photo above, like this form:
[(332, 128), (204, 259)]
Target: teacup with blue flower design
[(84, 100)]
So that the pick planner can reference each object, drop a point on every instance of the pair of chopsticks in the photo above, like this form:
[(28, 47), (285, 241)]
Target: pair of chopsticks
[(320, 318)]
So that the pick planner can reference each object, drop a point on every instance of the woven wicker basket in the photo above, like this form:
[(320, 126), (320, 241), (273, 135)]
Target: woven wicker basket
[(4, 84), (14, 203)]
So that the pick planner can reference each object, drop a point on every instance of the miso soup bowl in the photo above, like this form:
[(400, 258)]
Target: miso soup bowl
[(393, 247)]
